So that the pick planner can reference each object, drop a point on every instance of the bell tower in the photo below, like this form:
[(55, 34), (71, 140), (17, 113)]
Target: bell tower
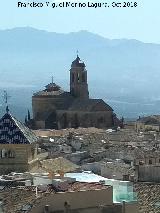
[(78, 79)]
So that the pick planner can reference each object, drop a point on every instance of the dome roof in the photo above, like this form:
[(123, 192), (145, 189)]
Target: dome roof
[(78, 63), (52, 87)]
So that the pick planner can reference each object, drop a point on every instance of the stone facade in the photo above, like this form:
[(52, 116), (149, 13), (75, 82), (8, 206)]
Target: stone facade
[(149, 123), (19, 161), (54, 108), (148, 169)]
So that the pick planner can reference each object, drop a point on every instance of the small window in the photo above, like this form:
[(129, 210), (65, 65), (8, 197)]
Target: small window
[(78, 77), (7, 153), (83, 77), (150, 161), (72, 77), (11, 154), (141, 162), (101, 120), (4, 153)]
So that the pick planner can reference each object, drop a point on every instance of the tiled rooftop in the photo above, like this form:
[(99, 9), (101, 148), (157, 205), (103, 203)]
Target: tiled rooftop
[(16, 198), (77, 186)]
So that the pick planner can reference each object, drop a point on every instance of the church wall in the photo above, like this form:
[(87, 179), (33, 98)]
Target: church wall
[(80, 90), (42, 104), (40, 124), (74, 119), (48, 104), (102, 119), (85, 119)]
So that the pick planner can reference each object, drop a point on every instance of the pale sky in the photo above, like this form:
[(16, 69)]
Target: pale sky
[(141, 23)]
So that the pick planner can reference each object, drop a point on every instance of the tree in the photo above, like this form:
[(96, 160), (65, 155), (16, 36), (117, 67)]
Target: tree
[(29, 116), (26, 120)]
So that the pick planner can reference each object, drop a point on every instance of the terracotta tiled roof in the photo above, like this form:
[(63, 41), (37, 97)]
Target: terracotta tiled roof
[(77, 186)]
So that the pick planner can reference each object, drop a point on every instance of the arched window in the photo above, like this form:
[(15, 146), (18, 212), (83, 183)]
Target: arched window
[(7, 153), (101, 120), (66, 206), (4, 153), (72, 77), (78, 77), (11, 154), (83, 77)]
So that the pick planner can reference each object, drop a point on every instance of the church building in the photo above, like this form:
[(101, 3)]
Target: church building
[(54, 108)]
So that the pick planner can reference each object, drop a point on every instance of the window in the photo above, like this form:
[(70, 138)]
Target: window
[(72, 77), (7, 153), (11, 154), (141, 162), (78, 77), (4, 153), (83, 77), (101, 120), (150, 161), (66, 205)]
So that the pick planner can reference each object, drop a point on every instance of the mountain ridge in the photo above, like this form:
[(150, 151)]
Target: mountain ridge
[(117, 68)]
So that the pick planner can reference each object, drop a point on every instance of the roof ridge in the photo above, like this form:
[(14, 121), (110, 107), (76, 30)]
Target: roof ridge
[(22, 130)]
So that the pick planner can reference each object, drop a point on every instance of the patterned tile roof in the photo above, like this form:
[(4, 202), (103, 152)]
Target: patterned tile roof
[(13, 131)]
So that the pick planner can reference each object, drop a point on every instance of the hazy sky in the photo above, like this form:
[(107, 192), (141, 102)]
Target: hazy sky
[(140, 23)]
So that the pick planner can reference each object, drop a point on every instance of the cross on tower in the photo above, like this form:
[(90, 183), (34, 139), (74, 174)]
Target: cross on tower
[(77, 53)]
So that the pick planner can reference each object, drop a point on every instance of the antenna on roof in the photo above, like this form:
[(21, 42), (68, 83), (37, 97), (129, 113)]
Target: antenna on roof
[(52, 79), (7, 109)]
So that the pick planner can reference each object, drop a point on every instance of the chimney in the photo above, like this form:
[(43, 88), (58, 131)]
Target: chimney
[(46, 209), (123, 207)]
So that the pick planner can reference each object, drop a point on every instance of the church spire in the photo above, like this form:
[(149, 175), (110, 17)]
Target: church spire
[(7, 109), (77, 54), (6, 97)]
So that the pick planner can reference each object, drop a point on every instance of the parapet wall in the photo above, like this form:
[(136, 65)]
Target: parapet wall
[(76, 200)]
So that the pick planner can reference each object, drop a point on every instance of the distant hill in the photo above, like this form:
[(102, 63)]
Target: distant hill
[(126, 73)]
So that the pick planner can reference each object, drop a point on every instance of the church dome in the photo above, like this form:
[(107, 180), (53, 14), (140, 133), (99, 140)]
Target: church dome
[(52, 87), (78, 63)]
